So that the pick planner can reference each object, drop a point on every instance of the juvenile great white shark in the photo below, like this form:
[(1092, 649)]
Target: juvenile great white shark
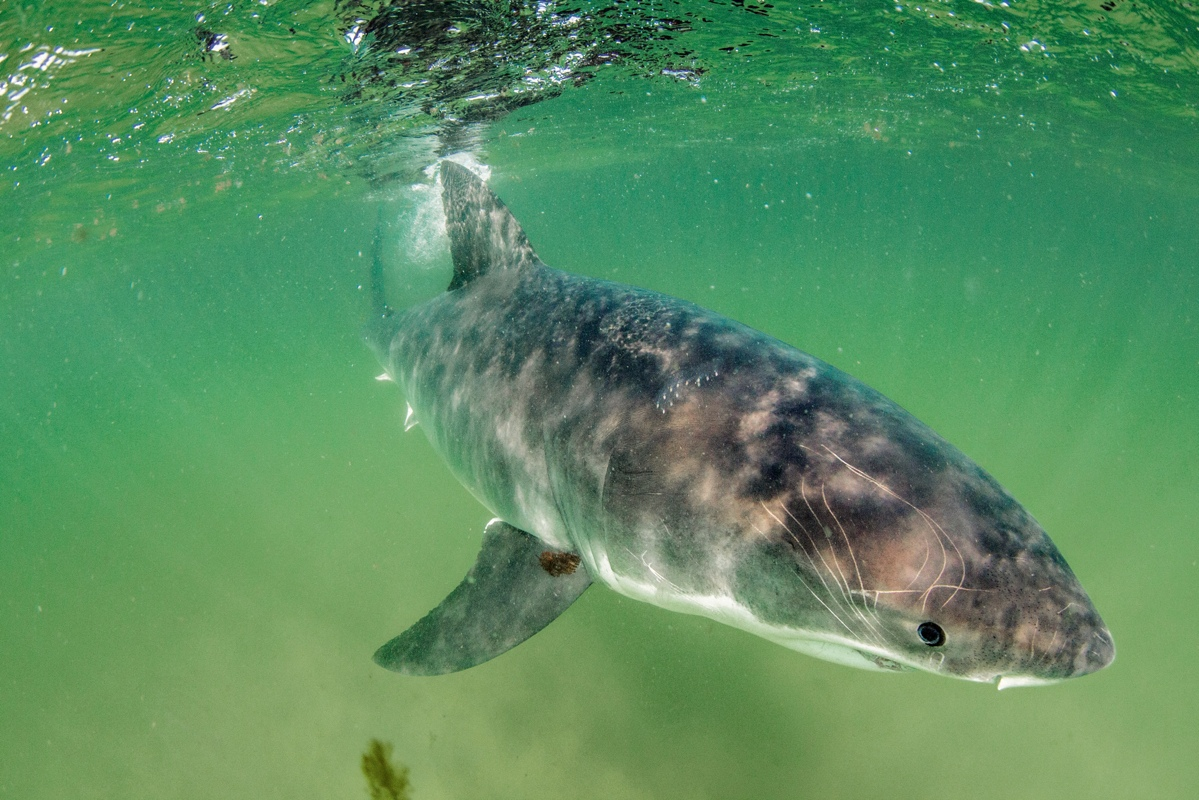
[(686, 460)]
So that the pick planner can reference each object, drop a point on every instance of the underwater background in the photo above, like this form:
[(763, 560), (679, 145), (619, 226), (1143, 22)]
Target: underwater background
[(210, 515)]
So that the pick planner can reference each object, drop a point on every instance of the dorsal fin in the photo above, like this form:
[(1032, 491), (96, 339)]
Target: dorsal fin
[(484, 235)]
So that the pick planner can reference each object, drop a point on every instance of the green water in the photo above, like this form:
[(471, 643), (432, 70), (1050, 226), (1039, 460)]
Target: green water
[(210, 515)]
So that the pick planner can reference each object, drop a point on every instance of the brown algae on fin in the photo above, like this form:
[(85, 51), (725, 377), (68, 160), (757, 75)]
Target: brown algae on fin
[(558, 564), (384, 780)]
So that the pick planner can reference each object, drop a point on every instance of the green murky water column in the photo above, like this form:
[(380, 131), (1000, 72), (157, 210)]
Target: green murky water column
[(210, 515)]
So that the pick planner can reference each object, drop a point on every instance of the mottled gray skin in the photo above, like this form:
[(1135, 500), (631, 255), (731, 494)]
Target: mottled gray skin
[(700, 465)]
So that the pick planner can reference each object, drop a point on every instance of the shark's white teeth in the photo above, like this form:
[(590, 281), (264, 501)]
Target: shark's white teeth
[(1012, 681), (410, 420), (384, 377)]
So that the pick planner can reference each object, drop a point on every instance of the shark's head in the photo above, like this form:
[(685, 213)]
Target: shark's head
[(908, 555), (931, 601)]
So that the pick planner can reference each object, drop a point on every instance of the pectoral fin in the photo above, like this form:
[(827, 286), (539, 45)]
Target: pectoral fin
[(516, 587)]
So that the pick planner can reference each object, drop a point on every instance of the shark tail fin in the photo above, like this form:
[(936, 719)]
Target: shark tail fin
[(484, 236)]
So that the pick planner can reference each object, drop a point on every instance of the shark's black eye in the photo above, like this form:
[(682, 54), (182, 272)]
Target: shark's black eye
[(931, 634)]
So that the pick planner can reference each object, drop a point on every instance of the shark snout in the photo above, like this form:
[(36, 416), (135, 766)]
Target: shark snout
[(1095, 653), (1089, 651)]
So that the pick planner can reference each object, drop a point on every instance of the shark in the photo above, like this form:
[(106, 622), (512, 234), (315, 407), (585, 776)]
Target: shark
[(629, 438)]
